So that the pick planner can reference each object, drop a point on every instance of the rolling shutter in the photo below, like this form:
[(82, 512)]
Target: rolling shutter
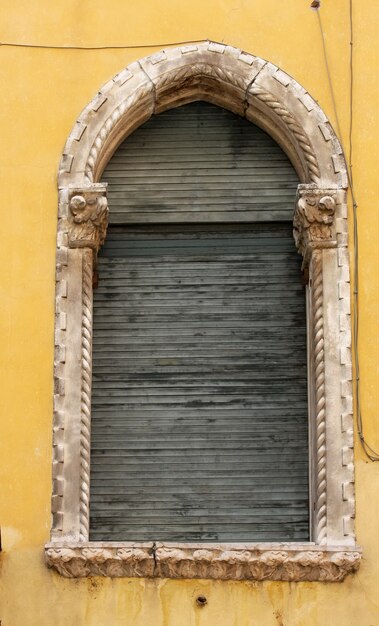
[(199, 418), (199, 163), (199, 397)]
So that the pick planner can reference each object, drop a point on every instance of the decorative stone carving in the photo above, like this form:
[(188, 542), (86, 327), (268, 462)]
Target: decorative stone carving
[(242, 82), (124, 109), (318, 384), (298, 132), (274, 562), (286, 562), (313, 219), (85, 395), (80, 560), (89, 217)]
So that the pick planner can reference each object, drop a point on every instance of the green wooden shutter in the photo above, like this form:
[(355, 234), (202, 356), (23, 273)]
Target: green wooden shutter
[(199, 410)]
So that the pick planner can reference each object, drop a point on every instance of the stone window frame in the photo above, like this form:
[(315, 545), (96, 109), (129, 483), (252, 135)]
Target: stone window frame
[(268, 97)]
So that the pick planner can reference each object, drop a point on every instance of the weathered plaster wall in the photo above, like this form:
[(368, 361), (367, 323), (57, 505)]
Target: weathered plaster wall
[(42, 93)]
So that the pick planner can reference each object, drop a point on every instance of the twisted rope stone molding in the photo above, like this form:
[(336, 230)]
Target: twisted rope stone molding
[(319, 385), (281, 562), (86, 382), (290, 122)]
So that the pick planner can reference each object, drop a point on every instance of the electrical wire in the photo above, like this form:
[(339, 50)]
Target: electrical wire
[(131, 47), (371, 454)]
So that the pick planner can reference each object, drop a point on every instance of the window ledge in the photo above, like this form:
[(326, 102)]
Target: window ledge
[(260, 561)]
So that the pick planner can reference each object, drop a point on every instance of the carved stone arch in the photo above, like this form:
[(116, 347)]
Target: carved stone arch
[(266, 96), (222, 75)]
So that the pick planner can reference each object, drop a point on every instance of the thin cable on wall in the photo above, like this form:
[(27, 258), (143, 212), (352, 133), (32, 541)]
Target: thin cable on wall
[(372, 454), (13, 44)]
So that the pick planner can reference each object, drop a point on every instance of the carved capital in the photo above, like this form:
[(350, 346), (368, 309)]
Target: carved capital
[(88, 216), (313, 221)]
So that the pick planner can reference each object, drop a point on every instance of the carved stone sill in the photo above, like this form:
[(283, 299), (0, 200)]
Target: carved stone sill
[(277, 561)]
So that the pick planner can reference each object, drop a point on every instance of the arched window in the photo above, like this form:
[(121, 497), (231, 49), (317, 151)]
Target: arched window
[(238, 241), (199, 392)]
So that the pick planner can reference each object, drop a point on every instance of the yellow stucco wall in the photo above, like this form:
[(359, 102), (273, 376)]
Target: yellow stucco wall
[(42, 93)]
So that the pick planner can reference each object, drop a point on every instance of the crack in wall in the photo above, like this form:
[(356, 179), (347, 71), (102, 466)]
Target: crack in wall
[(151, 81), (154, 555), (251, 83)]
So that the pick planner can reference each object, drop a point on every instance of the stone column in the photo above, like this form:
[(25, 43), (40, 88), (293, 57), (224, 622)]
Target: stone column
[(313, 229)]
